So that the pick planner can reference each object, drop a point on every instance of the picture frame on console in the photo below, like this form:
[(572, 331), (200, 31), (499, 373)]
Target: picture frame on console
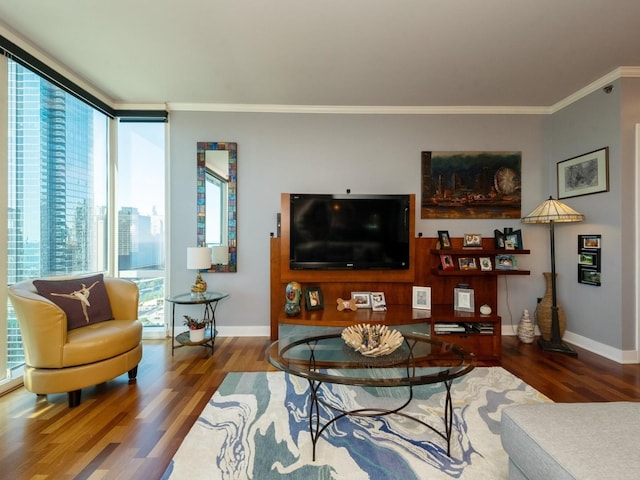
[(463, 300), (363, 299), (378, 302), (313, 298), (421, 298)]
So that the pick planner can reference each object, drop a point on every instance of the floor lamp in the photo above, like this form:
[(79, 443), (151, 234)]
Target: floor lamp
[(552, 211)]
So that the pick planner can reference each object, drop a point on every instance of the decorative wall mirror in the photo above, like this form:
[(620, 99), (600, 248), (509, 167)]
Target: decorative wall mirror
[(217, 171)]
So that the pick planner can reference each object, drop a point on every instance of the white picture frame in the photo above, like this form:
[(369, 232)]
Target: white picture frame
[(378, 302), (485, 264), (463, 300), (363, 299), (421, 298)]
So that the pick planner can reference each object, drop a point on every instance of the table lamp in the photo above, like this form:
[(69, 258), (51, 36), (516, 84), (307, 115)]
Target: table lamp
[(553, 211), (198, 258)]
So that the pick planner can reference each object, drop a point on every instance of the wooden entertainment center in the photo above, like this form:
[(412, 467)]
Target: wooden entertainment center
[(425, 270)]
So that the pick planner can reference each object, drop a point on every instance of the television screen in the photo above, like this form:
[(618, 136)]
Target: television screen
[(349, 232)]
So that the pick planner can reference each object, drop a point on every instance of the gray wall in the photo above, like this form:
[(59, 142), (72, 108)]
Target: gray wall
[(330, 153), (381, 154), (604, 314)]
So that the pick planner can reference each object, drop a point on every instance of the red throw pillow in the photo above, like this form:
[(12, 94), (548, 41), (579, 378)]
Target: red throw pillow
[(84, 300)]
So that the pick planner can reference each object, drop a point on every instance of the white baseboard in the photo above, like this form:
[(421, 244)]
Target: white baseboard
[(607, 351)]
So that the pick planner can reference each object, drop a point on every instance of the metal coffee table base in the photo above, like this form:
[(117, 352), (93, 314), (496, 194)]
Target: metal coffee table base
[(316, 429)]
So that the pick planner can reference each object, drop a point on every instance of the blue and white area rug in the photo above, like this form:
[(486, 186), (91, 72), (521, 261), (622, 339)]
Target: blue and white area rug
[(256, 426)]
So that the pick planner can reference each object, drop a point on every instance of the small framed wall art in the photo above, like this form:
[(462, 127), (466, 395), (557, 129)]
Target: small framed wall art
[(584, 174), (589, 260)]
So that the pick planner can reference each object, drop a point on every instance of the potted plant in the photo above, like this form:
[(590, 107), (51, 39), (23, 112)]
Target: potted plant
[(196, 328)]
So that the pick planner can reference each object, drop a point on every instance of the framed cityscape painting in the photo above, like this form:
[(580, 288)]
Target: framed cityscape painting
[(471, 184)]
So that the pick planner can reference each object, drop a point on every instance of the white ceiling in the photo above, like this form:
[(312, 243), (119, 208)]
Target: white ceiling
[(393, 53)]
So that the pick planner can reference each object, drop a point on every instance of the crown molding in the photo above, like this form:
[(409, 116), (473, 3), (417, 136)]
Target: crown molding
[(621, 72), (357, 110)]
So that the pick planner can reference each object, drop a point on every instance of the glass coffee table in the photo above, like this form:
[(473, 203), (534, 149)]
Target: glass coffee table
[(325, 358)]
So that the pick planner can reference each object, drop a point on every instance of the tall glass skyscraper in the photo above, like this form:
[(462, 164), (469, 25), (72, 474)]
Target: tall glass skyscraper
[(55, 202)]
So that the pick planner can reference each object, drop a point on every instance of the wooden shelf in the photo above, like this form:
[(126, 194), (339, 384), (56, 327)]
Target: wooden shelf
[(397, 287), (477, 252), (477, 273)]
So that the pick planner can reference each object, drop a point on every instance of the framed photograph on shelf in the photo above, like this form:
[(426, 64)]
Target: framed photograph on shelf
[(467, 263), (313, 298), (444, 239), (422, 298), (499, 238), (584, 174), (378, 302), (463, 300), (515, 238), (506, 262), (447, 262), (472, 240), (363, 299), (485, 264)]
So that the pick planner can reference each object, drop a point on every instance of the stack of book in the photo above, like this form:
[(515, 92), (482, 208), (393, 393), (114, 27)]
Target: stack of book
[(482, 328), (446, 328)]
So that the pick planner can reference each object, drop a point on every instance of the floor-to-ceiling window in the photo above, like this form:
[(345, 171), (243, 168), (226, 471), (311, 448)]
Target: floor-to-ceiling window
[(71, 208), (140, 214), (56, 202)]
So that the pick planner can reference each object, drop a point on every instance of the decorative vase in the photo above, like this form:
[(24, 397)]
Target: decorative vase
[(526, 331), (293, 293), (196, 335), (543, 314)]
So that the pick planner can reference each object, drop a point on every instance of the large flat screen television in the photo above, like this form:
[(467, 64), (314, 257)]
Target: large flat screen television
[(349, 232)]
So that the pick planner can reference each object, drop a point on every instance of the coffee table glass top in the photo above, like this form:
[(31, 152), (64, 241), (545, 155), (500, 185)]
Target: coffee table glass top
[(419, 360)]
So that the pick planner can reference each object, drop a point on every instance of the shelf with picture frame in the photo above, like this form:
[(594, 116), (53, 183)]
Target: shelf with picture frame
[(463, 261), (399, 296)]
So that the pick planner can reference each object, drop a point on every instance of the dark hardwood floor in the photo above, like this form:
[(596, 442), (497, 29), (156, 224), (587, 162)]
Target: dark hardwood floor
[(131, 431)]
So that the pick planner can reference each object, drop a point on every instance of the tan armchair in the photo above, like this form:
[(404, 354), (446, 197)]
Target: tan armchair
[(60, 360)]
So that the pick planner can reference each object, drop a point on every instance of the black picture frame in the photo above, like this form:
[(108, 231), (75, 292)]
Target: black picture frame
[(514, 236), (445, 240), (590, 259), (313, 298), (589, 276), (498, 235), (584, 175)]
